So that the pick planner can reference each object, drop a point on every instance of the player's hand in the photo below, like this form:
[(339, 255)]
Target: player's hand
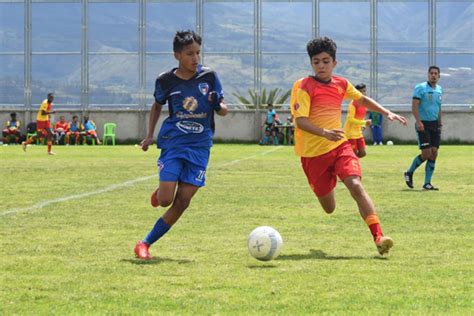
[(145, 143), (395, 117), (333, 134), (368, 122), (420, 127)]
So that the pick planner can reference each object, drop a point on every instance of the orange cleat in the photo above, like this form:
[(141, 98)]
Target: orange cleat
[(383, 244), (154, 198), (141, 250)]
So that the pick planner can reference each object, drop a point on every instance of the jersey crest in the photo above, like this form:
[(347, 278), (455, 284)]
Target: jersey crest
[(204, 88)]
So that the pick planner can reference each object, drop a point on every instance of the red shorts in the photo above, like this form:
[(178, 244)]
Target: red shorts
[(42, 125), (322, 170), (357, 144)]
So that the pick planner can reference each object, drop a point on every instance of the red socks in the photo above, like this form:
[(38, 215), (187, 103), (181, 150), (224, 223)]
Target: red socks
[(374, 225)]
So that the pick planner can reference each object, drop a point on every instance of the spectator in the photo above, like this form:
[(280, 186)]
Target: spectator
[(74, 129), (90, 129), (270, 123), (376, 127), (12, 131), (289, 130), (60, 130)]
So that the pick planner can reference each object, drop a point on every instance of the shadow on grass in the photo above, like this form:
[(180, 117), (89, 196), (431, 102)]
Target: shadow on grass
[(413, 190), (318, 254), (155, 260), (264, 266)]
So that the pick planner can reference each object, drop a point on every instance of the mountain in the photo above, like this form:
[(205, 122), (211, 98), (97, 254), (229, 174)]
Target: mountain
[(228, 46)]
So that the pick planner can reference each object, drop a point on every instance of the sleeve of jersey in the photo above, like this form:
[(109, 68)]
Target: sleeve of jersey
[(159, 94), (302, 105), (44, 106), (218, 86), (418, 92), (352, 93)]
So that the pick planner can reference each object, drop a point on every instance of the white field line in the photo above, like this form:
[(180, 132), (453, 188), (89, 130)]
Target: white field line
[(112, 187)]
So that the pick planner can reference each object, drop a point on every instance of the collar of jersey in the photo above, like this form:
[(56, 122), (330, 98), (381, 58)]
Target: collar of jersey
[(322, 81)]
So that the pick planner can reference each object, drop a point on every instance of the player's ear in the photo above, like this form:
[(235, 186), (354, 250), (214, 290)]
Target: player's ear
[(334, 63), (177, 55)]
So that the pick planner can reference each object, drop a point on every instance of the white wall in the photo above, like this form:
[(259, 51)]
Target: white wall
[(245, 125)]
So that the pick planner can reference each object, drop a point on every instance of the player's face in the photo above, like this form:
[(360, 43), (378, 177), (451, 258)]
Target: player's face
[(363, 91), (433, 76), (322, 65), (189, 57)]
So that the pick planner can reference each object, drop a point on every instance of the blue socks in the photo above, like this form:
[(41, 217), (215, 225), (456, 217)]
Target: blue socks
[(429, 170), (415, 164), (157, 232)]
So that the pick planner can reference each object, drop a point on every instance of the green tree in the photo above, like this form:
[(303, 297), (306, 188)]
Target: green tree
[(275, 96)]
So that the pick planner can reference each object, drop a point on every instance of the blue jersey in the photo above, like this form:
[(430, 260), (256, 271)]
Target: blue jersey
[(191, 117), (430, 100)]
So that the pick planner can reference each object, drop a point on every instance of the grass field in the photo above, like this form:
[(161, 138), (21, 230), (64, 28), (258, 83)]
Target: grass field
[(68, 225)]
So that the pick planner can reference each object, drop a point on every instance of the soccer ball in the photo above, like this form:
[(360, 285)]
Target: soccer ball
[(389, 142), (264, 243)]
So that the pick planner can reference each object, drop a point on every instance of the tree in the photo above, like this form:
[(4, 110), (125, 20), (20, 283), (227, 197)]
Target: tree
[(274, 97)]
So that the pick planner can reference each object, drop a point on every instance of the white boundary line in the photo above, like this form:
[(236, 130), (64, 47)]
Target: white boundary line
[(112, 187)]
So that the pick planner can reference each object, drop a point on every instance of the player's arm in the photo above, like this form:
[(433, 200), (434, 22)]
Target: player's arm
[(217, 103), (154, 116), (415, 103), (440, 121), (306, 125), (373, 105), (223, 108)]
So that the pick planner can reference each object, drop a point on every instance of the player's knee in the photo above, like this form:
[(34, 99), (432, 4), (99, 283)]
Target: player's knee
[(165, 201)]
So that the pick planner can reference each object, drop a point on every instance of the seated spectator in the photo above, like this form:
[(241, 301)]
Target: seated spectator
[(74, 129), (60, 130), (90, 129), (289, 130), (11, 134)]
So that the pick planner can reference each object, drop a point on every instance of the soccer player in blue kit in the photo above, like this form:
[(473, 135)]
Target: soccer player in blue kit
[(426, 107), (193, 93)]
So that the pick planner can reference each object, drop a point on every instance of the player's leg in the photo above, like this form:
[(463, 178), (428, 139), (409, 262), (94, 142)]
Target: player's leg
[(32, 138), (328, 202), (164, 194), (347, 167), (367, 212), (49, 140), (321, 178), (360, 144), (425, 147), (430, 164)]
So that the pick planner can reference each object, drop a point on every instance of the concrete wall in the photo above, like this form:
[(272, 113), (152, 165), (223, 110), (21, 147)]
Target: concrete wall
[(245, 125)]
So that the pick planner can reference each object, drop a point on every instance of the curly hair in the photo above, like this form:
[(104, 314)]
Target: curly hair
[(320, 45), (184, 38)]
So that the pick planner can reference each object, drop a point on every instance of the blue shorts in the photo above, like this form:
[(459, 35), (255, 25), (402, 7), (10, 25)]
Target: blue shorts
[(186, 165)]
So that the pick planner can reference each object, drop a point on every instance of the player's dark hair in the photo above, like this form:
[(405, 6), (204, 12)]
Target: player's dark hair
[(185, 38), (360, 86), (320, 45), (50, 94), (12, 114), (434, 67), (75, 116)]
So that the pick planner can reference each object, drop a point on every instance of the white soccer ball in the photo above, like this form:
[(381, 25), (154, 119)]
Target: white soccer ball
[(264, 243), (389, 142)]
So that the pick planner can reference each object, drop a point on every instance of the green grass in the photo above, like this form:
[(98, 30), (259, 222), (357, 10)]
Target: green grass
[(76, 256)]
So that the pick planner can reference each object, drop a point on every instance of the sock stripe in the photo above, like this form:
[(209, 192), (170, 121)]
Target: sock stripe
[(372, 219)]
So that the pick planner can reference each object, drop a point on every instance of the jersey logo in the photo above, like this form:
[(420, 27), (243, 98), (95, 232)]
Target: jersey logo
[(190, 104), (339, 90), (203, 87), (190, 127), (160, 165), (296, 106)]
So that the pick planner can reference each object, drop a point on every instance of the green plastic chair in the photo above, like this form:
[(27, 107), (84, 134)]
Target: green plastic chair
[(109, 133)]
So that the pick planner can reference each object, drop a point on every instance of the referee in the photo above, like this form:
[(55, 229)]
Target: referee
[(426, 108)]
